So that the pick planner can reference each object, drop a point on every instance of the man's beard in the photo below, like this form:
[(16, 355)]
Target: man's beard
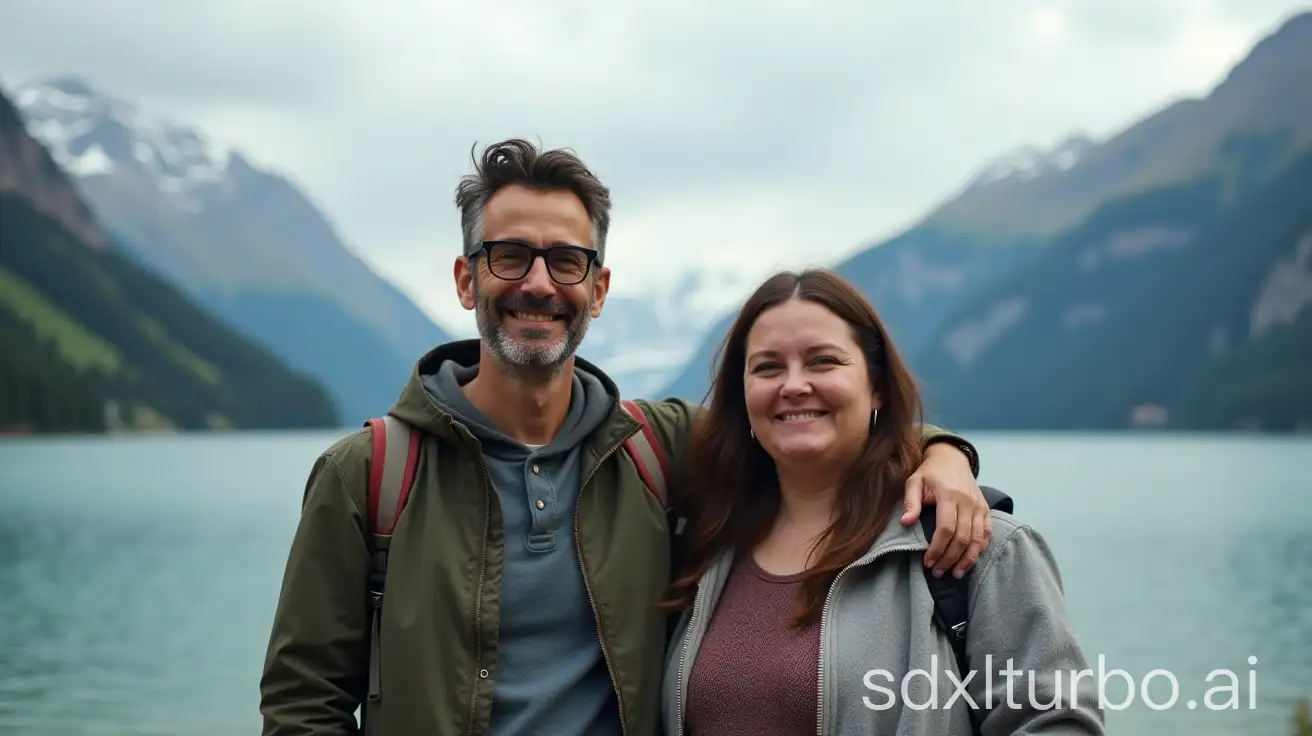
[(515, 350)]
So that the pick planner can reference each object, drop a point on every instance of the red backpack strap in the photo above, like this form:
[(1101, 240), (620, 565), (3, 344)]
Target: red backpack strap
[(648, 455), (391, 474)]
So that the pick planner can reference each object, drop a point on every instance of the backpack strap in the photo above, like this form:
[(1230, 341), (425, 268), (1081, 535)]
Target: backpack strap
[(391, 474), (653, 466), (648, 455), (952, 596)]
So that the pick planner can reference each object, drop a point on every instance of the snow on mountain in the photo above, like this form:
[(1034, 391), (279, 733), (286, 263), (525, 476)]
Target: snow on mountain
[(248, 244), (90, 134), (1029, 162)]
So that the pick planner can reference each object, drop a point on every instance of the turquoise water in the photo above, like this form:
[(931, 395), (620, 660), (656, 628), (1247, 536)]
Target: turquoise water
[(138, 575)]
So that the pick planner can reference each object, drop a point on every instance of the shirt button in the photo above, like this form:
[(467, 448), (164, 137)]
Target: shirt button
[(541, 505), (535, 467)]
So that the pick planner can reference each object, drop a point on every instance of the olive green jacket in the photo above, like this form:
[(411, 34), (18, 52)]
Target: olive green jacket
[(439, 624)]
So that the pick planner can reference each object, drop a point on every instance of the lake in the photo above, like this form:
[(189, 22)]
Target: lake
[(138, 575)]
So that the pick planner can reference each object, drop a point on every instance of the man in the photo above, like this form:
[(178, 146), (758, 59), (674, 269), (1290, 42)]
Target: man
[(525, 572)]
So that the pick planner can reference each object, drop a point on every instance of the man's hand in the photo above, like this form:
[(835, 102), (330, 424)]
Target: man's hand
[(964, 526)]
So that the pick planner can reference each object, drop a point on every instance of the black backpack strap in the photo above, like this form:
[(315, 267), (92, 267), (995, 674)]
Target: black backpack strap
[(951, 596)]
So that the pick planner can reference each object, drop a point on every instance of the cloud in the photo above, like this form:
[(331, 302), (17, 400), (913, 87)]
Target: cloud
[(733, 136)]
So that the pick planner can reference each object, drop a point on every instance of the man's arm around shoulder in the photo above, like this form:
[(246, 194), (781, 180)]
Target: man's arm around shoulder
[(933, 435), (315, 669)]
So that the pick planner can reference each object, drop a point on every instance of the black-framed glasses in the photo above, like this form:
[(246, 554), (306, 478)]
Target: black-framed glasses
[(511, 260)]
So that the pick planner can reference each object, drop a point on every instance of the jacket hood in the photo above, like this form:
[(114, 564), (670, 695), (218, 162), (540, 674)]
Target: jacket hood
[(418, 407)]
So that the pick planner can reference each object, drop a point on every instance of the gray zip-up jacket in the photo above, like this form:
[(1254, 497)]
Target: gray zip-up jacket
[(878, 629)]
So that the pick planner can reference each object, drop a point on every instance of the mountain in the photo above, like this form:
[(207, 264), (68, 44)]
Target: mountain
[(1262, 107), (248, 244), (1167, 308), (641, 340), (975, 267), (92, 341)]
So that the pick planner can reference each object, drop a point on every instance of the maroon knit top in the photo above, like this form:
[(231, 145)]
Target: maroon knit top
[(754, 675)]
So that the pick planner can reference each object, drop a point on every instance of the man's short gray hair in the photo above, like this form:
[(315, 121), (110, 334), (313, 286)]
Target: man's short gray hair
[(517, 161)]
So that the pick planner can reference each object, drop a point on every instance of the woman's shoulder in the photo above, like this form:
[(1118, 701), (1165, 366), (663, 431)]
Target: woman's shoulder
[(1006, 524), (1017, 550)]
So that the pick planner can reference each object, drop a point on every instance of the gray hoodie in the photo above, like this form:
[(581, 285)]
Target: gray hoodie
[(552, 676), (872, 638)]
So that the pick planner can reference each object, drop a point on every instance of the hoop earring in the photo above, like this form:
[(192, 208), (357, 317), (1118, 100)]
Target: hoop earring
[(873, 416), (753, 433)]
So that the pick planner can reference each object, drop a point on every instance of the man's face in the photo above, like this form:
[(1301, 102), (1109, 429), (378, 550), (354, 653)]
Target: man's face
[(535, 322)]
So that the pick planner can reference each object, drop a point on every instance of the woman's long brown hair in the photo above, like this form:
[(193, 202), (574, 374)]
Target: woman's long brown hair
[(731, 489)]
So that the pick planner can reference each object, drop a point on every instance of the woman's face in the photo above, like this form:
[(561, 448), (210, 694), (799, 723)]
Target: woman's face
[(808, 393)]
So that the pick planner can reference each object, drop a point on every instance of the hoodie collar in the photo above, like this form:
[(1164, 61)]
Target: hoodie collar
[(416, 406)]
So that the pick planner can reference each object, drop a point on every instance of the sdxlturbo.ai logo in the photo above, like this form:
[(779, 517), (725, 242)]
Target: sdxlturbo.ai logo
[(1055, 688)]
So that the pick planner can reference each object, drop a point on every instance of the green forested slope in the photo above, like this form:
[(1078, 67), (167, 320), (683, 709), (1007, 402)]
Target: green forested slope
[(82, 327)]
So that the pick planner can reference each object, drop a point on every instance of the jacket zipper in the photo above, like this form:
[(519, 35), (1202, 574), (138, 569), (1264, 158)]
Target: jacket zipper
[(683, 657), (478, 595), (587, 583), (824, 615)]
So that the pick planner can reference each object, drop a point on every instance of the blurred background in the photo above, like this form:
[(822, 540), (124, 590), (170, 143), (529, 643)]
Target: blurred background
[(227, 233)]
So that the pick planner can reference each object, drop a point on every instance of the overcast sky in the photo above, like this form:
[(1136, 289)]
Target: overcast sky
[(733, 135)]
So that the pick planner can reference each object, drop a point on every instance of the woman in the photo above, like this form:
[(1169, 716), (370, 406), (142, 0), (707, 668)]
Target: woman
[(804, 602)]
